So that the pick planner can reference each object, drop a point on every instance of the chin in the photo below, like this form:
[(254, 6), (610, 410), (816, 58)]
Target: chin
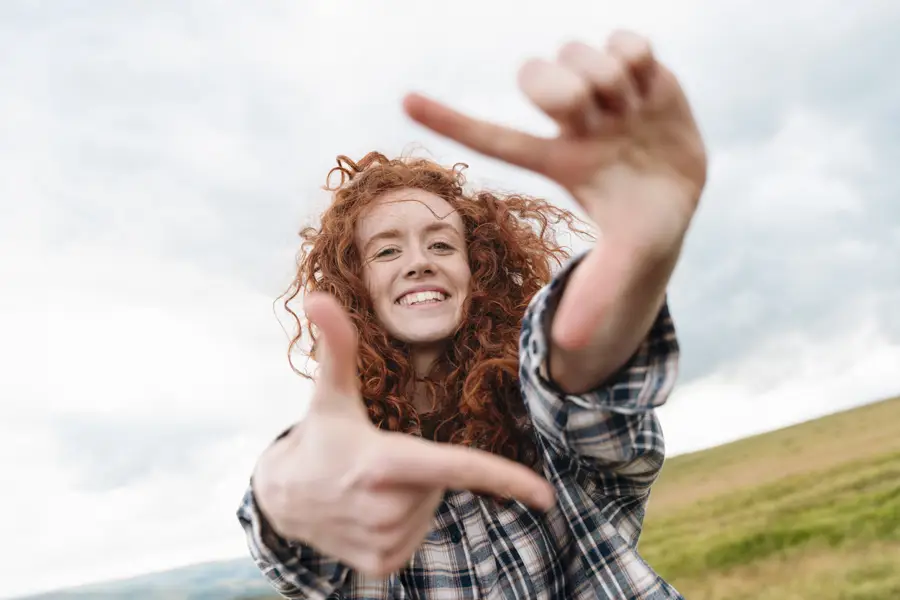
[(411, 332), (422, 329), (425, 337)]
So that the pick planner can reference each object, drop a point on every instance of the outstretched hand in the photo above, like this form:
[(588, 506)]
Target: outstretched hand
[(628, 150), (358, 494)]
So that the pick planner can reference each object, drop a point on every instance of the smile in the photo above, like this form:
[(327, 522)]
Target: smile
[(422, 298)]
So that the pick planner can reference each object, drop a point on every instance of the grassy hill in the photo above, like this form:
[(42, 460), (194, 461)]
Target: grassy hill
[(807, 512), (811, 511)]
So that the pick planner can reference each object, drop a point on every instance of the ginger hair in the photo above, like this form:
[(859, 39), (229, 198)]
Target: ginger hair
[(512, 250)]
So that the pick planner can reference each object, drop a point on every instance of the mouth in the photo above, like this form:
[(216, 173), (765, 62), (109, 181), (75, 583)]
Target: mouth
[(422, 298)]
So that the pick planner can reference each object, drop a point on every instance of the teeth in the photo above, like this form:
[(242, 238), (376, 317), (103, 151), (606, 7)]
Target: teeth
[(420, 297)]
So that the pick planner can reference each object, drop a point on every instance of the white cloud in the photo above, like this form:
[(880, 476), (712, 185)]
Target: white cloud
[(806, 172), (789, 380)]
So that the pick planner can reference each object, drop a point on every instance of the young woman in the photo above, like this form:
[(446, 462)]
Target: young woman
[(483, 427)]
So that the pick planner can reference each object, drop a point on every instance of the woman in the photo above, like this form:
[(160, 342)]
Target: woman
[(480, 429)]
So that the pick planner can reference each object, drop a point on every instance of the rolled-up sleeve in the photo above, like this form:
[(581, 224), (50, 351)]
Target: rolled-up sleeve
[(612, 429), (295, 570)]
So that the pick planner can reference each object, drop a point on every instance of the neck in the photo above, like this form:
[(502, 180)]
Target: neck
[(423, 359)]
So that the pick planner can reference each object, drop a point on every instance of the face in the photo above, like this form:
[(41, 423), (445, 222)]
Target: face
[(415, 265)]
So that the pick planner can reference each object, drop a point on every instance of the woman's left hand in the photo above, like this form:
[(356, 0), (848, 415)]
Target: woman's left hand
[(628, 150)]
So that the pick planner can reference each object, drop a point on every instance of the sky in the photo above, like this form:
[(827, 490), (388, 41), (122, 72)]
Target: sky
[(157, 160)]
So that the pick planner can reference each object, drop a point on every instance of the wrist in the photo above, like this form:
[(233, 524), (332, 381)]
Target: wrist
[(270, 495)]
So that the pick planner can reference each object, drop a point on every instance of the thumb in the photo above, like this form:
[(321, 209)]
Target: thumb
[(337, 350)]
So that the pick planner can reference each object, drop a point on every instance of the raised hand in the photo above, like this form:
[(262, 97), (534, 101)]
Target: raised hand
[(358, 494), (628, 150)]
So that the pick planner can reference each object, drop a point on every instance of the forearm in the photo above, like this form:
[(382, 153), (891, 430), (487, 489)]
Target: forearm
[(625, 324)]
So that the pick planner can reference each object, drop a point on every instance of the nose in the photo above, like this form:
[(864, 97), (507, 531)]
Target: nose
[(419, 264)]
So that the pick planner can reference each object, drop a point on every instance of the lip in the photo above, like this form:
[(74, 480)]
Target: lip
[(422, 288)]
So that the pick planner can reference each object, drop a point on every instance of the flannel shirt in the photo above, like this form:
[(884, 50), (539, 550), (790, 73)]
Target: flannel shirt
[(602, 450)]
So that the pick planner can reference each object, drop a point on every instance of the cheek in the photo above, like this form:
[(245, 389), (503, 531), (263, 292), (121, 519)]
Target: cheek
[(370, 282), (376, 285), (463, 275)]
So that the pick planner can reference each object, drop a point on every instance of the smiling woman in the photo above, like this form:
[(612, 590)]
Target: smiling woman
[(436, 282), (483, 425)]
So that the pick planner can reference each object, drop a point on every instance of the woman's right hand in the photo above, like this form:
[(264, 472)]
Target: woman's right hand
[(360, 495)]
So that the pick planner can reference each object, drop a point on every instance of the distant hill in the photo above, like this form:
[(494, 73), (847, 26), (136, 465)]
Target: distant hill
[(222, 580), (810, 511)]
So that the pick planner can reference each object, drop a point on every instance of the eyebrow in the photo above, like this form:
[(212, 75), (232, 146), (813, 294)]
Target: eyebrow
[(392, 234)]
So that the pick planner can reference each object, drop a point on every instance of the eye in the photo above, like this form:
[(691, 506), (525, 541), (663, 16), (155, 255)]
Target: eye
[(442, 246), (384, 253)]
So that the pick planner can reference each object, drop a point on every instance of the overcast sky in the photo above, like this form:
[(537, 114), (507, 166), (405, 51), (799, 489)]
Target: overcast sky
[(158, 159)]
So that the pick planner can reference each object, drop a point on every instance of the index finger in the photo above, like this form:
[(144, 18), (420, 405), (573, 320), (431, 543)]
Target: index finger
[(416, 462), (507, 144)]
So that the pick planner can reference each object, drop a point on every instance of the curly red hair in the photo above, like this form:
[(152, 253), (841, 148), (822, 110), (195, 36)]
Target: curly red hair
[(512, 250)]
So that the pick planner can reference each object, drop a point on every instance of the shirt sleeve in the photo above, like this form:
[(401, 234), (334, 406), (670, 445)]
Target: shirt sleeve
[(295, 570), (613, 429)]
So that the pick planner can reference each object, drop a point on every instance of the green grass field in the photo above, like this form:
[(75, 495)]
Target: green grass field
[(808, 512)]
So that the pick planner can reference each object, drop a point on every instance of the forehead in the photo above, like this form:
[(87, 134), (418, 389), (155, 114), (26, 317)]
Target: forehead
[(405, 210)]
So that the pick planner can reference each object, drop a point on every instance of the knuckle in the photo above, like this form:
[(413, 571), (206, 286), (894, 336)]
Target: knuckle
[(379, 526), (373, 474), (619, 35), (630, 44), (387, 517), (382, 524), (370, 469), (572, 51), (611, 70)]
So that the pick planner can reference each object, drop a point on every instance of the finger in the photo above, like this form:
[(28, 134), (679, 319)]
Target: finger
[(337, 341), (402, 542), (416, 462), (381, 552), (607, 75), (590, 293), (421, 524), (507, 144), (637, 54), (561, 94), (396, 538)]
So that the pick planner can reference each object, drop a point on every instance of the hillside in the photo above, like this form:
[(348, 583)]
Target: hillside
[(811, 511)]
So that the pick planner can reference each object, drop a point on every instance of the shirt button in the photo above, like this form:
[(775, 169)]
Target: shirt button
[(455, 536)]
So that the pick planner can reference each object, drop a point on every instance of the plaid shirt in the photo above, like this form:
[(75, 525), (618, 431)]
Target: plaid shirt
[(601, 450)]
